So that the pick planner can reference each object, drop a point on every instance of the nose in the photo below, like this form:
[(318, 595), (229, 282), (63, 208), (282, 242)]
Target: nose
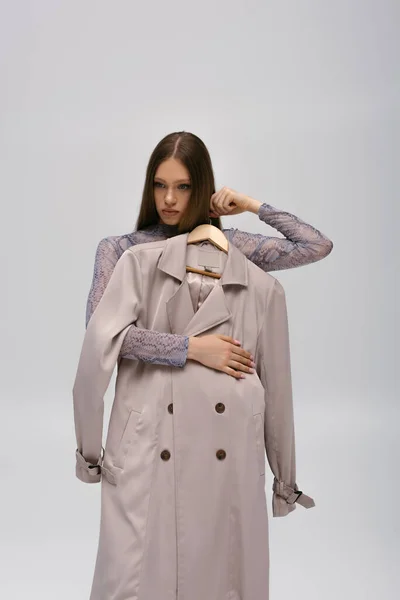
[(169, 196)]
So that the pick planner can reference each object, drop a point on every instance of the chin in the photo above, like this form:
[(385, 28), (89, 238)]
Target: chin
[(170, 220)]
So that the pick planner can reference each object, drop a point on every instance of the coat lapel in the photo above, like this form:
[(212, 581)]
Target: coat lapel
[(184, 320)]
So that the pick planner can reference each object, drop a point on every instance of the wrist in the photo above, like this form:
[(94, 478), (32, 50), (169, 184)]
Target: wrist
[(192, 347), (253, 205)]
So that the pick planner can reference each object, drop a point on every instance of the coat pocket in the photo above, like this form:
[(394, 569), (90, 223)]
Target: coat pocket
[(127, 438), (259, 437)]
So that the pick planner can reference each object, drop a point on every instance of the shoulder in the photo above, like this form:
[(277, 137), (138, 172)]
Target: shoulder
[(264, 285), (155, 248), (118, 244), (262, 278)]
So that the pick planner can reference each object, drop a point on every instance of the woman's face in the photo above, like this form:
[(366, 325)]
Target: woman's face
[(172, 189)]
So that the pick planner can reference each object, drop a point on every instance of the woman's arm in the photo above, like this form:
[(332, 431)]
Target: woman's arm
[(139, 344), (302, 245)]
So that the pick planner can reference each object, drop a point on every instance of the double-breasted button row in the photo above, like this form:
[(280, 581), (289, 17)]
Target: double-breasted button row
[(219, 407), (220, 454), (166, 454)]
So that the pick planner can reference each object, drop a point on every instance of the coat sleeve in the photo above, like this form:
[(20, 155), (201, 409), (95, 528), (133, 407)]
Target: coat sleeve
[(117, 310), (274, 369), (150, 346)]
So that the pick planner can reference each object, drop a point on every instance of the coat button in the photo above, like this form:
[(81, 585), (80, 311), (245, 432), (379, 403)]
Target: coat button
[(171, 408), (221, 454), (220, 407), (165, 454)]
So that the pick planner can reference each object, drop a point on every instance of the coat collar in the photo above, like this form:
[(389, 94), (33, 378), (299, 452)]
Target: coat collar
[(184, 320), (173, 261)]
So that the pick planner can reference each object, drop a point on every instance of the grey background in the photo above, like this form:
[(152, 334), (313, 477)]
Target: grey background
[(298, 103)]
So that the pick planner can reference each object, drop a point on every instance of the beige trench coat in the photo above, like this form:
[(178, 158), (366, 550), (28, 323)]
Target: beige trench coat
[(183, 505)]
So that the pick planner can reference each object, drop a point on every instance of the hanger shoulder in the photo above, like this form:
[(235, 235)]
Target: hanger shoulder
[(210, 233)]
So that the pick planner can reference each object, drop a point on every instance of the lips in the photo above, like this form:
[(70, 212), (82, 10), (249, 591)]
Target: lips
[(170, 212)]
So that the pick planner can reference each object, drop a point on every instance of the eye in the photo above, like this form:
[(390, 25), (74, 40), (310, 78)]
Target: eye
[(185, 186)]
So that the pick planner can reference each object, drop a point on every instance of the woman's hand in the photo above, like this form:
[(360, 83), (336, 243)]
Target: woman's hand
[(228, 202), (221, 352)]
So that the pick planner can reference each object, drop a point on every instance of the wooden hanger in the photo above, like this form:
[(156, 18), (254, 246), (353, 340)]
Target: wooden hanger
[(211, 234)]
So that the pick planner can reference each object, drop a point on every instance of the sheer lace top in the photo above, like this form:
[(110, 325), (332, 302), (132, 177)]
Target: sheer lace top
[(303, 244)]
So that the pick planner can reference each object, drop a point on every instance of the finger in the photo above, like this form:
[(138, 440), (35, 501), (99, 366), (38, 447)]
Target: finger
[(241, 352), (238, 366), (226, 201), (214, 199), (218, 206), (236, 346), (221, 202), (233, 373), (228, 338), (247, 362)]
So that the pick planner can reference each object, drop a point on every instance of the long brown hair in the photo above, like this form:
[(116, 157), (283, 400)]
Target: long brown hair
[(192, 152)]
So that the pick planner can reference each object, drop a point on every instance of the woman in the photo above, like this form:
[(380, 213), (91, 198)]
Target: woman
[(183, 511), (178, 174)]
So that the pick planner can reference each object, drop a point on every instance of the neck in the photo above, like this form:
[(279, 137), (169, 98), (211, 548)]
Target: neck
[(164, 228)]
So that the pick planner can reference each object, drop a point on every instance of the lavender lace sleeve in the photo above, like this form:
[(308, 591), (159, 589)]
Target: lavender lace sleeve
[(303, 244), (139, 344)]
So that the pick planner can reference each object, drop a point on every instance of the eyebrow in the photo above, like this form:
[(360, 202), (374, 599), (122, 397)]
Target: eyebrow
[(177, 181)]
